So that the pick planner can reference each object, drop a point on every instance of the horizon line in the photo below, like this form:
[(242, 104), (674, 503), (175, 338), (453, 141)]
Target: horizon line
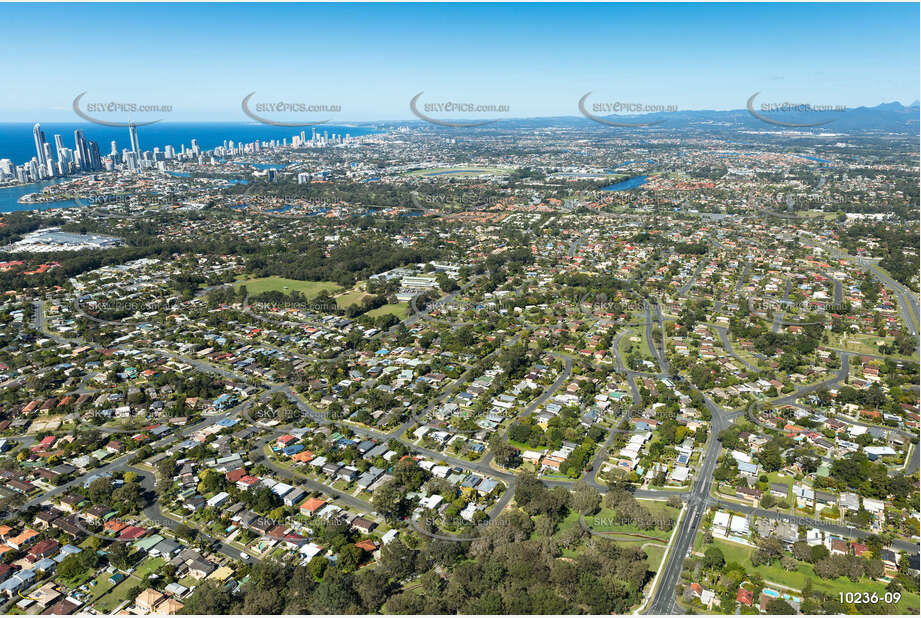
[(345, 122)]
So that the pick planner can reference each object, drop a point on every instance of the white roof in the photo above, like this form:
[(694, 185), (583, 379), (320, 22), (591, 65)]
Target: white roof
[(740, 456), (432, 501), (218, 498), (310, 550), (680, 473), (739, 524)]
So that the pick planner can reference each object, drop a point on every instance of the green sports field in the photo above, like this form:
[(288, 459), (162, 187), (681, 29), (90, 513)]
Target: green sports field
[(310, 289)]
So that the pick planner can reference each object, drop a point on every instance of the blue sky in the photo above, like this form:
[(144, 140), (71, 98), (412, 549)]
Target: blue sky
[(372, 58)]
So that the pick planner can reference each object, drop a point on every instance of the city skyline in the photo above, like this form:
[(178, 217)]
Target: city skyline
[(85, 156)]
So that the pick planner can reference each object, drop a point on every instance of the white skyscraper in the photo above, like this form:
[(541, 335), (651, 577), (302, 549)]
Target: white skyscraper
[(133, 133), (39, 136), (58, 145), (81, 151), (49, 159)]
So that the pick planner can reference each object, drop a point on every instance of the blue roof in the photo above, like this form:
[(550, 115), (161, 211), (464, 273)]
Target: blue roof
[(67, 550), (748, 467), (487, 485), (45, 564), (89, 480), (471, 481)]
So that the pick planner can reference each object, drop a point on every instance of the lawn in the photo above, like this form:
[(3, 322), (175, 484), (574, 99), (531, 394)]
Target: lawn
[(698, 542), (115, 597), (188, 581), (654, 555), (863, 344), (101, 587), (747, 356), (310, 289), (400, 310), (624, 346), (606, 522), (149, 566), (733, 552), (627, 346), (858, 343), (352, 297)]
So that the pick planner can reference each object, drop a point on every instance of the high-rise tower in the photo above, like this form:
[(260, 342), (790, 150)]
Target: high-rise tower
[(133, 132), (39, 136)]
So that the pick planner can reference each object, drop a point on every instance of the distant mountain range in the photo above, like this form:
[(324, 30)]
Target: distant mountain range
[(886, 117)]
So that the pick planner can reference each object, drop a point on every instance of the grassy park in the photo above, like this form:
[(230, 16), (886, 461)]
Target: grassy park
[(310, 289)]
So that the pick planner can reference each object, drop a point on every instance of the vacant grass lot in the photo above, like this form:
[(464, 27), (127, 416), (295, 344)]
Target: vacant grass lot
[(352, 297), (605, 522), (116, 596), (400, 310)]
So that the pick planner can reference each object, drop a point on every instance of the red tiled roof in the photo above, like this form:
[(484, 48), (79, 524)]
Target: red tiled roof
[(312, 504), (368, 545), (132, 532)]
